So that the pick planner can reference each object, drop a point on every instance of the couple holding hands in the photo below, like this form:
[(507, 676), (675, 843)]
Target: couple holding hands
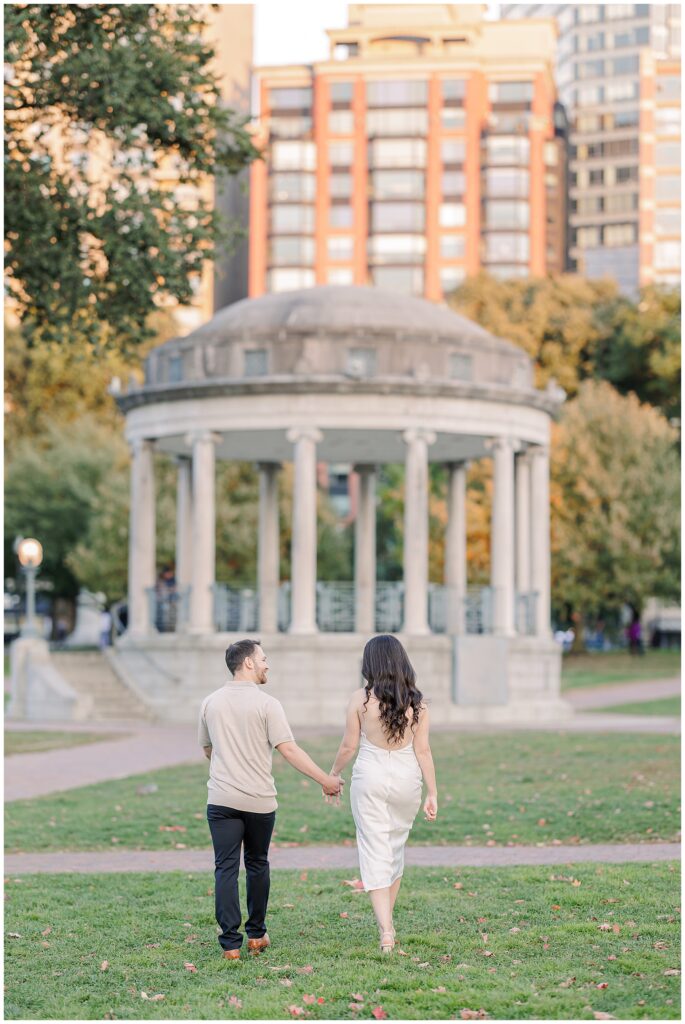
[(387, 722)]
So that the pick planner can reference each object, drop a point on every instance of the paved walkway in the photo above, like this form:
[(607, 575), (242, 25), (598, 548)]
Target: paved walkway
[(621, 693), (312, 857), (145, 747)]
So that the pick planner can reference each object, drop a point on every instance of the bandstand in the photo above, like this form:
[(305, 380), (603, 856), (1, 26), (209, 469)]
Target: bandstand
[(364, 377)]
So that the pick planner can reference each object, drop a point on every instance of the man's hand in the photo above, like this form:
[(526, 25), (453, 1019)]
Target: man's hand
[(332, 790)]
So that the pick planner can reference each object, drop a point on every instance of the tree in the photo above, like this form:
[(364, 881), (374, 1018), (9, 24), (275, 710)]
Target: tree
[(101, 103), (615, 504)]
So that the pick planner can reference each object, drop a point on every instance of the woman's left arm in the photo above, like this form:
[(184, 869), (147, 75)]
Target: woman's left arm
[(350, 740)]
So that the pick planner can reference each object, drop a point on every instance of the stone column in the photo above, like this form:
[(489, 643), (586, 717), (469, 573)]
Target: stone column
[(183, 522), (303, 550), (416, 531), (365, 552), (455, 547), (502, 543), (203, 532), (523, 524), (540, 532), (141, 544), (268, 548)]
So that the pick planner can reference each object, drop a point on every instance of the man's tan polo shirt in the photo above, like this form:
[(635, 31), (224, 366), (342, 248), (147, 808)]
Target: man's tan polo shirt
[(243, 725)]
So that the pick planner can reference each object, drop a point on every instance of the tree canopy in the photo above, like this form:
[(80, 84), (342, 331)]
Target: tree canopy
[(108, 108)]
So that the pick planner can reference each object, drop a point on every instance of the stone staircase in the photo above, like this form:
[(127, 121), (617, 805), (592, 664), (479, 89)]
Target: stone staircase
[(90, 674)]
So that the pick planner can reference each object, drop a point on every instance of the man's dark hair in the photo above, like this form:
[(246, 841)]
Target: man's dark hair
[(236, 653)]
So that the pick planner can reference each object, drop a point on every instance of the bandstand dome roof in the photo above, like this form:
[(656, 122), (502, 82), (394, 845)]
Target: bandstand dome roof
[(364, 333)]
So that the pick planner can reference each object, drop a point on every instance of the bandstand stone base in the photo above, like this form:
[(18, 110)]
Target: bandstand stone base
[(468, 679)]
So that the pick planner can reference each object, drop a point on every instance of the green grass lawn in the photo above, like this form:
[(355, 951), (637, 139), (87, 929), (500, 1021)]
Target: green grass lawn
[(517, 787), (663, 706), (19, 742), (593, 669), (557, 949)]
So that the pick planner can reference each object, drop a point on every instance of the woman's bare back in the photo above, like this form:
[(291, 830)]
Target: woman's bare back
[(372, 727)]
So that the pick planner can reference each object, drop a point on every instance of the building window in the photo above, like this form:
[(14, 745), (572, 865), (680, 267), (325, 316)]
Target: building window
[(623, 119), (596, 177), (453, 183), (625, 65), (615, 12), (290, 99), (667, 154), (289, 127), (341, 275), (594, 42), (507, 214), (256, 362), (501, 181), (340, 248), (289, 280), (396, 249), (340, 216), (340, 185), (590, 95), (621, 202), (398, 184), (667, 222), (667, 255), (293, 156), (397, 94), (397, 153), (397, 217), (505, 271), (399, 279), (451, 278), (668, 120), (175, 369), (667, 187), (461, 366), (340, 154), (291, 251), (508, 248), (616, 91), (452, 151), (511, 92), (341, 122), (292, 187), (668, 87), (587, 238), (620, 234), (452, 118), (397, 122), (361, 362), (626, 174), (452, 247), (508, 149), (292, 219), (341, 92), (452, 215), (586, 13), (453, 90)]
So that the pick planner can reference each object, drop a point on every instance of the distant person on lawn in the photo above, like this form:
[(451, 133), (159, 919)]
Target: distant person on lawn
[(240, 725)]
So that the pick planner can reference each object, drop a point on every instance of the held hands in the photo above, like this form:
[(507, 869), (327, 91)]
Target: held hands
[(430, 808), (332, 790)]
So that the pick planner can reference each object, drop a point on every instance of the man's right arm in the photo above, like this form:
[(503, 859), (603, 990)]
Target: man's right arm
[(300, 759)]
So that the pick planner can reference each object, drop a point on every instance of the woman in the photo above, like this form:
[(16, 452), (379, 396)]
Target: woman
[(390, 715)]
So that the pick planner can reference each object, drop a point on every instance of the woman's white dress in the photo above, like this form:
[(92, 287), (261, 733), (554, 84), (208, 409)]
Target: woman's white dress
[(385, 794)]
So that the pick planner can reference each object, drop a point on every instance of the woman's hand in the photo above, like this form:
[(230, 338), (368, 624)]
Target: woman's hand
[(430, 807)]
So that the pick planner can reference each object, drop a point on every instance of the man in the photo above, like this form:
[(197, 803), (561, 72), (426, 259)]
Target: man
[(240, 725)]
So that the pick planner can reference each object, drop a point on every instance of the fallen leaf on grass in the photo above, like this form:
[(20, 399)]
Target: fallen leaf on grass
[(234, 1001), (440, 989), (345, 914), (47, 931), (357, 997), (379, 1013), (354, 883), (356, 1006), (309, 999), (458, 885), (567, 983), (603, 984), (172, 828), (601, 1015), (605, 927), (286, 981), (153, 999), (467, 1014), (13, 935), (104, 965), (285, 967), (671, 971), (152, 945), (190, 967), (304, 876), (307, 969), (296, 1011), (657, 945)]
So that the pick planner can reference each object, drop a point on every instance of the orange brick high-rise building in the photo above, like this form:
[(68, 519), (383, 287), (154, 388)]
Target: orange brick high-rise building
[(429, 146)]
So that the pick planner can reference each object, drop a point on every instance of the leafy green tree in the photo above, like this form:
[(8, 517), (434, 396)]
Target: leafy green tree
[(615, 504), (101, 101)]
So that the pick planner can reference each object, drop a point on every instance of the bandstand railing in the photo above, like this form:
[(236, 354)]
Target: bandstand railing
[(168, 607)]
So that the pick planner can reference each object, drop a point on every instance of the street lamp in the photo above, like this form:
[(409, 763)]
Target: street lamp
[(30, 555)]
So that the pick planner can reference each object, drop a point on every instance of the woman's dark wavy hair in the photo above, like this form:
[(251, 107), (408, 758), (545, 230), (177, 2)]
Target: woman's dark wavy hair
[(389, 674)]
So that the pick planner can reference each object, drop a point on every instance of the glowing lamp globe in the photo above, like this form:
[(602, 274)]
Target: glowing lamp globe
[(30, 553)]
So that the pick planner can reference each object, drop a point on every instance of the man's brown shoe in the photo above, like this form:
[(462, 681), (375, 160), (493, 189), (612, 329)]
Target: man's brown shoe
[(231, 954), (257, 945)]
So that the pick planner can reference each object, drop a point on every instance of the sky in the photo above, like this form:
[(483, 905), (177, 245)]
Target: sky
[(293, 31)]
